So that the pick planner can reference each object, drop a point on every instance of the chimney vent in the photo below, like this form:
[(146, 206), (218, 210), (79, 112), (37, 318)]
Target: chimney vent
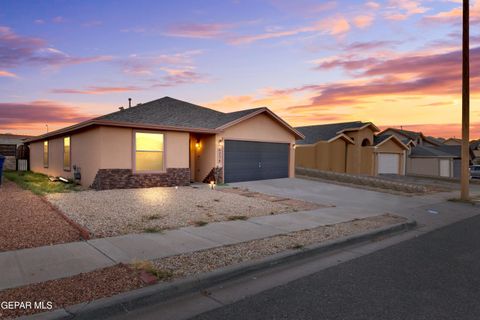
[(129, 102), (121, 108)]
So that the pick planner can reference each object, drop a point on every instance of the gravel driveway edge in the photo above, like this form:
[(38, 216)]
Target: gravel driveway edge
[(129, 301)]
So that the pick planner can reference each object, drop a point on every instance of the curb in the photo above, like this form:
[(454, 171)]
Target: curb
[(131, 300)]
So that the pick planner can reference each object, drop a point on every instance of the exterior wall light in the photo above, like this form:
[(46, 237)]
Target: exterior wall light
[(212, 185)]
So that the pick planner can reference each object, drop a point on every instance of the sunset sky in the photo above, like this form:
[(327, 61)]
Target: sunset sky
[(393, 62)]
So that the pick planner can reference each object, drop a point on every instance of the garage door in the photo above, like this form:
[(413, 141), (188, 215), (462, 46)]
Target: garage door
[(444, 168), (388, 163), (247, 160)]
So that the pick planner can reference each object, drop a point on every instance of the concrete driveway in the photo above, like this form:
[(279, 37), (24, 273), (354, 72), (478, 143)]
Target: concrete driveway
[(431, 210)]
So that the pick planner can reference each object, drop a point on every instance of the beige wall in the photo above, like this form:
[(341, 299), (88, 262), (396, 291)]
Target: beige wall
[(426, 166), (258, 128), (355, 163), (323, 155), (104, 148), (203, 157)]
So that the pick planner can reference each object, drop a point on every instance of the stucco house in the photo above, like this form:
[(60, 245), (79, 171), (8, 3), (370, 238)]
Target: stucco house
[(8, 148), (411, 138), (439, 161), (475, 146), (168, 142), (350, 147)]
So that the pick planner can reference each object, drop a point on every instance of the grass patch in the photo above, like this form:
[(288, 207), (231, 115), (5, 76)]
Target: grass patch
[(152, 217), (149, 267), (200, 223), (39, 183), (153, 230), (232, 218)]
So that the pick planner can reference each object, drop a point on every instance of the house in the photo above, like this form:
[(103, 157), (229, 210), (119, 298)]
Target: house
[(350, 147), (475, 146), (438, 161), (8, 148), (411, 138), (453, 142), (168, 142)]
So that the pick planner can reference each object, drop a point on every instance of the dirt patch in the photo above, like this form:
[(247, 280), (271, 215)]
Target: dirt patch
[(208, 260), (64, 292), (27, 221), (116, 212)]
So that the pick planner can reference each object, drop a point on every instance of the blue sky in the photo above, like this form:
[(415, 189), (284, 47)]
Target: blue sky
[(393, 62)]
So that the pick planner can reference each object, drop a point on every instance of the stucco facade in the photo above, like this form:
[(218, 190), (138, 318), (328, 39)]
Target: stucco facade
[(355, 154), (106, 154)]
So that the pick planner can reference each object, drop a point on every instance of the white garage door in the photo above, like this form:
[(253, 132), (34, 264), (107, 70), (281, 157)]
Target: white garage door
[(388, 163), (444, 168)]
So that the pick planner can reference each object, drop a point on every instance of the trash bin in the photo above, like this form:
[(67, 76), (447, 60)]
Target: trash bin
[(2, 160)]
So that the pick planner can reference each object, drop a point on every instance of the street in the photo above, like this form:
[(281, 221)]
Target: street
[(434, 276)]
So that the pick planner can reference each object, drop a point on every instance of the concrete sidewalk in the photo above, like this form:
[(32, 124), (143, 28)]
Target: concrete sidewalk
[(22, 267)]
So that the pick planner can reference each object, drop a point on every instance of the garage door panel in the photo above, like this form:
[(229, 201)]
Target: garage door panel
[(247, 160), (388, 163)]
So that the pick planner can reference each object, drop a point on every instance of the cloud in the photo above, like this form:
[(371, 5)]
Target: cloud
[(145, 65), (36, 114), (363, 21), (402, 9), (198, 30), (59, 19), (175, 77), (97, 90), (334, 26), (371, 45), (16, 50), (4, 73), (454, 16)]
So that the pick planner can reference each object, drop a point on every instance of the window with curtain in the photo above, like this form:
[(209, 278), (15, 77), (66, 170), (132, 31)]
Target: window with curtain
[(149, 151), (45, 154), (66, 154)]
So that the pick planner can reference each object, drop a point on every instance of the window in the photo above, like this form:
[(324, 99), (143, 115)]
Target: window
[(66, 154), (45, 154), (365, 142), (149, 151)]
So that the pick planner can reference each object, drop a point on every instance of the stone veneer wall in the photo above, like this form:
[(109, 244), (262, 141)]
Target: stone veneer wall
[(125, 179)]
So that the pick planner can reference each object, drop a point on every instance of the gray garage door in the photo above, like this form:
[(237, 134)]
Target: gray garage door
[(247, 160)]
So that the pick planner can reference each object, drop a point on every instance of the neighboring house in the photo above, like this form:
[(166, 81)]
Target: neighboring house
[(350, 147), (411, 138), (475, 146), (438, 161), (168, 142), (453, 142), (8, 148)]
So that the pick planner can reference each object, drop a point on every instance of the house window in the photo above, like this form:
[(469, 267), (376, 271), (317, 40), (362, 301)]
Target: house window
[(149, 152), (45, 154), (66, 154), (365, 142)]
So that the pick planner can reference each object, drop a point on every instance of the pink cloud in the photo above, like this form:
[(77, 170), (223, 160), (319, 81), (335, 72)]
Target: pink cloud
[(36, 114), (196, 30), (363, 21), (4, 73), (97, 90), (16, 50)]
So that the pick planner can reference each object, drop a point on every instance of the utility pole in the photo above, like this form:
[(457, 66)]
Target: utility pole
[(465, 176)]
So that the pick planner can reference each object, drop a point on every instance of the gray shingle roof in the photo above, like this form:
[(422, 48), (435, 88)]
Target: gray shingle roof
[(313, 134), (423, 151), (380, 138), (176, 113)]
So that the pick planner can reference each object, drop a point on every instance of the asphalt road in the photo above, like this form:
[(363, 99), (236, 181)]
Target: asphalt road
[(435, 276)]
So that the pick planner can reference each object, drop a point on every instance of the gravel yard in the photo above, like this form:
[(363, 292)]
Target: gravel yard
[(27, 221), (208, 260), (116, 212), (73, 290)]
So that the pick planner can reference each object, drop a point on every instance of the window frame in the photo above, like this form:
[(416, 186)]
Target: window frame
[(134, 152), (69, 168), (46, 160)]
